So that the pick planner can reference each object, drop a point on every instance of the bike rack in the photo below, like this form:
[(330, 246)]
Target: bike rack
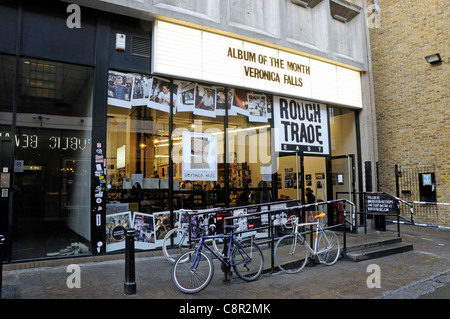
[(291, 207)]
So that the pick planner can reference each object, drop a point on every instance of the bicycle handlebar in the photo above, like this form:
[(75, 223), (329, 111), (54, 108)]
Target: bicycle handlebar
[(291, 219), (294, 221)]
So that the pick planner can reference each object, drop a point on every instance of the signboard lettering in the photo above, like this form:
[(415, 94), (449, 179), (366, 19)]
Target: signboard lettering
[(301, 126), (381, 204)]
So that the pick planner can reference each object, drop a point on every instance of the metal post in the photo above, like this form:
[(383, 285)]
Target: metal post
[(130, 282), (2, 240), (398, 225), (272, 243), (345, 233)]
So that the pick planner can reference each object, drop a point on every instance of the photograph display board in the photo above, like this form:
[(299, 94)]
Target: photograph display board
[(129, 89), (150, 228)]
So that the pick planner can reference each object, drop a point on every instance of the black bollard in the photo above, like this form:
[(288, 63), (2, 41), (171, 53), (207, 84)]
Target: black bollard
[(2, 240), (130, 281)]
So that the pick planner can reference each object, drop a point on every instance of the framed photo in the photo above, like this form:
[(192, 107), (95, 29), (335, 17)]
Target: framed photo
[(116, 225), (205, 101), (199, 156), (144, 224), (160, 93), (120, 89)]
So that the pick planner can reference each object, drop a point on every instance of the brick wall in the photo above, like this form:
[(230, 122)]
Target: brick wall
[(411, 96)]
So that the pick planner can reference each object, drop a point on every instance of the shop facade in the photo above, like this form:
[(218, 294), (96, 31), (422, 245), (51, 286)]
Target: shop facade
[(151, 117)]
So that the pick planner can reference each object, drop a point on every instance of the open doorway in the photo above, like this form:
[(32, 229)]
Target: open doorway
[(341, 177)]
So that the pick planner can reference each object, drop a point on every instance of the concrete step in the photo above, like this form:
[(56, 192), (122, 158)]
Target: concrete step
[(377, 249)]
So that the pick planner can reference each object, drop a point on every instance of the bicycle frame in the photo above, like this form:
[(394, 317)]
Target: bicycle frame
[(226, 261), (316, 242)]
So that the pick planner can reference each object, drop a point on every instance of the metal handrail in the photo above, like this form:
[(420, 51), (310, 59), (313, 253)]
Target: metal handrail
[(271, 239), (398, 214)]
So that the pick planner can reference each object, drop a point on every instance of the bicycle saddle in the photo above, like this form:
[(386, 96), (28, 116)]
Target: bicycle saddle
[(320, 215), (232, 227)]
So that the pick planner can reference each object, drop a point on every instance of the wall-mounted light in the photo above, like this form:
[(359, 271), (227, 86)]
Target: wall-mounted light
[(434, 58), (339, 18)]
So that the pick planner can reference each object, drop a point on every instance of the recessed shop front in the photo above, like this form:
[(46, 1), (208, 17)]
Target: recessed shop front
[(248, 124), (146, 120)]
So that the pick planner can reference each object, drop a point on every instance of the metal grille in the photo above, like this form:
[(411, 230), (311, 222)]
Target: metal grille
[(408, 189), (140, 46)]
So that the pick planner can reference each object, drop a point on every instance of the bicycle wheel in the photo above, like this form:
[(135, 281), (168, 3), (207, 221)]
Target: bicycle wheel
[(247, 260), (217, 245), (191, 272), (291, 253), (328, 249), (181, 239)]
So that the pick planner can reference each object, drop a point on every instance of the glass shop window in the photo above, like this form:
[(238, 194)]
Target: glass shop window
[(52, 159)]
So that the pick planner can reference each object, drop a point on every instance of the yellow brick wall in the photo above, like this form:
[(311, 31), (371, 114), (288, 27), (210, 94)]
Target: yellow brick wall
[(411, 96)]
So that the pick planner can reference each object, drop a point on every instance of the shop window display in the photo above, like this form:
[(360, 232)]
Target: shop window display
[(150, 184)]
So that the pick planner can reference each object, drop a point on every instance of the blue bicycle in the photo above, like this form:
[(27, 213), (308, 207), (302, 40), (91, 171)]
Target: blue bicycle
[(193, 270)]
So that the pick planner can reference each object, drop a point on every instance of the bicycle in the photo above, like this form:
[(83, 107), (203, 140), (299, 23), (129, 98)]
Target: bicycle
[(182, 242), (193, 270), (291, 251)]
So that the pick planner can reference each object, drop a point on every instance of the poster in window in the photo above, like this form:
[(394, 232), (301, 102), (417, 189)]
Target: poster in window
[(141, 89), (199, 156), (162, 226), (120, 89), (144, 225), (205, 101), (240, 101), (257, 108), (160, 95), (186, 96), (242, 223), (116, 225), (223, 101)]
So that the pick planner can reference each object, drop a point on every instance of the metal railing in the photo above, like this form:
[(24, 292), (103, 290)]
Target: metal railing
[(262, 218), (2, 241), (392, 212)]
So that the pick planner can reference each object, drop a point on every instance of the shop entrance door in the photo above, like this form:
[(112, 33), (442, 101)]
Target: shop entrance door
[(290, 176), (341, 174)]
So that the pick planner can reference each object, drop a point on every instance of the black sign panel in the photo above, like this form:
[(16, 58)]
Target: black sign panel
[(381, 203)]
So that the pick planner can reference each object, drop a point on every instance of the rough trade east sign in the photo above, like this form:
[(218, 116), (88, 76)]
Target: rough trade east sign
[(301, 126)]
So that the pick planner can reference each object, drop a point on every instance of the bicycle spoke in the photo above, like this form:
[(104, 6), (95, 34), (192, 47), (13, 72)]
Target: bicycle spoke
[(328, 249), (290, 253), (193, 276), (181, 243), (248, 261)]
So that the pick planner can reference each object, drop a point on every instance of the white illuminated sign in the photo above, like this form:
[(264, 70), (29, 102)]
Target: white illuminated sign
[(204, 56)]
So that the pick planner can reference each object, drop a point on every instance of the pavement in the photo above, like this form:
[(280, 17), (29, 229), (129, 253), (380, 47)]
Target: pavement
[(423, 272)]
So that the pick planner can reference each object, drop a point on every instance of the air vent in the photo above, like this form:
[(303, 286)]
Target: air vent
[(140, 46)]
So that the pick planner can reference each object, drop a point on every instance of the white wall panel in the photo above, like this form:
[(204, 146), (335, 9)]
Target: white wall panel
[(180, 51)]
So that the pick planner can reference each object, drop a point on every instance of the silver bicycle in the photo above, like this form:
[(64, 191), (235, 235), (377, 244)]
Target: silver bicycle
[(292, 251)]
